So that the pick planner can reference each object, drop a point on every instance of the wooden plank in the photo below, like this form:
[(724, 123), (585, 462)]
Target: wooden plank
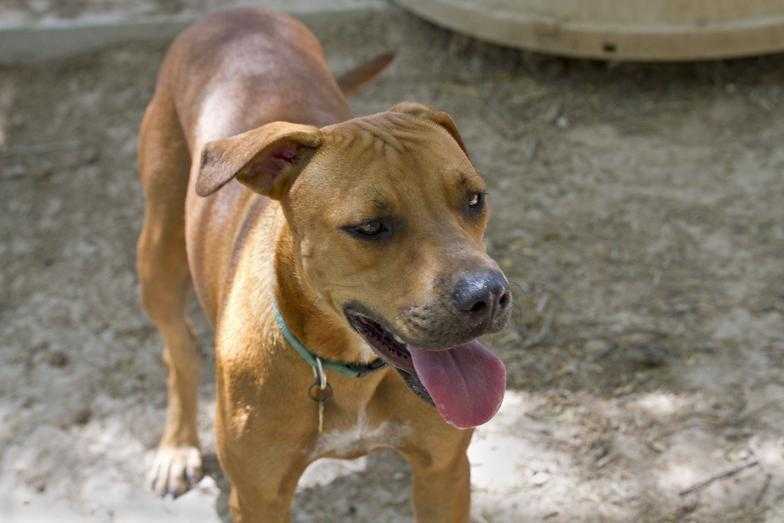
[(37, 43), (643, 30), (59, 38)]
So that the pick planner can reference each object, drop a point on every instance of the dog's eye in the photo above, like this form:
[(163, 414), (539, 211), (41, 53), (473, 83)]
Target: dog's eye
[(369, 230), (476, 202)]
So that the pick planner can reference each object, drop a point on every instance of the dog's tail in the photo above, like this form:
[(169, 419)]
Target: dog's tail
[(351, 81)]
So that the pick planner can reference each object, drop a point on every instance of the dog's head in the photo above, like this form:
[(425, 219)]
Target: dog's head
[(388, 216)]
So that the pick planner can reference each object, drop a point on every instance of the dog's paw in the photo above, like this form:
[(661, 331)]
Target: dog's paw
[(175, 470)]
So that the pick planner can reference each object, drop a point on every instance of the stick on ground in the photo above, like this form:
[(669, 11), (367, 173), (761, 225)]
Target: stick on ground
[(723, 475)]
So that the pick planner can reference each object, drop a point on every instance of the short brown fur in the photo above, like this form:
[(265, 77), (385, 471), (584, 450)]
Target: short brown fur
[(254, 240)]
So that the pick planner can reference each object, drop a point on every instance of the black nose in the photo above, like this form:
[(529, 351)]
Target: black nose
[(482, 295)]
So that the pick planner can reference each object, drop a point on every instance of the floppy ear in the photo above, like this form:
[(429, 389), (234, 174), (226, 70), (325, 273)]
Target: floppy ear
[(438, 117), (266, 159)]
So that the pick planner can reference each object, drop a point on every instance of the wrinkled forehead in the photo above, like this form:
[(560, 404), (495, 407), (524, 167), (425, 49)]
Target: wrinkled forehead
[(390, 133), (386, 159)]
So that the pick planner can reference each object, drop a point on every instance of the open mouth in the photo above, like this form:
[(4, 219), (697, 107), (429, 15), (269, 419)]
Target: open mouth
[(387, 345), (465, 382)]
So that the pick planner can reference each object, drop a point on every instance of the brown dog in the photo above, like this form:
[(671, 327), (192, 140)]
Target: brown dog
[(362, 237)]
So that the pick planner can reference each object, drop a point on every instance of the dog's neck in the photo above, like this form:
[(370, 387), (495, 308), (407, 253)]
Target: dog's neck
[(322, 329)]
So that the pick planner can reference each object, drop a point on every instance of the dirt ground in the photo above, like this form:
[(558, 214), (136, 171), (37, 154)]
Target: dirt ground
[(637, 208)]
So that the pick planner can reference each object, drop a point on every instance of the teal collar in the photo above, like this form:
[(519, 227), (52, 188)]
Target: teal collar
[(353, 370)]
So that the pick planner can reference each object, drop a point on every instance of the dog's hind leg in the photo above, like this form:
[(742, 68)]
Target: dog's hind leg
[(165, 281)]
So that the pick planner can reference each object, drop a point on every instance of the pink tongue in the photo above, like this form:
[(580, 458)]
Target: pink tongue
[(466, 382)]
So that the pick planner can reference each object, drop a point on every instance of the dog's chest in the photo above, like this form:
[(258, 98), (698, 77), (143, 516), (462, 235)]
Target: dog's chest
[(359, 439)]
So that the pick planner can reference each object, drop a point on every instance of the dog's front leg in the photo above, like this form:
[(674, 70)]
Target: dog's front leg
[(250, 505), (441, 485), (261, 447), (263, 479)]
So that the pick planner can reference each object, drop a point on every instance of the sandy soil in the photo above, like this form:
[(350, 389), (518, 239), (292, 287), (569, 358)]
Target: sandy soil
[(637, 209)]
